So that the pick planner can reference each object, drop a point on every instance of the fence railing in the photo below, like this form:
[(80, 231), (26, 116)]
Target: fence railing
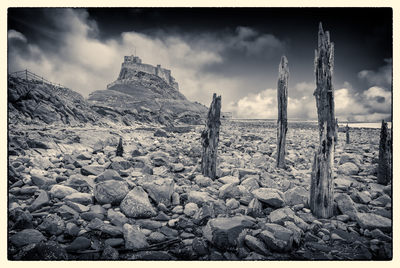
[(30, 76)]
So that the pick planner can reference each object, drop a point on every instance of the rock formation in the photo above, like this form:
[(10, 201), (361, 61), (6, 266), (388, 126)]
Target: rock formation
[(210, 139), (321, 191), (282, 111)]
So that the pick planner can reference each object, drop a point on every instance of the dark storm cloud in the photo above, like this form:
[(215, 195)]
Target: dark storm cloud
[(233, 51)]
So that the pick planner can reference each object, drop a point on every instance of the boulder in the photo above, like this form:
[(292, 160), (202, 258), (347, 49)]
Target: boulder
[(92, 170), (190, 209), (79, 243), (223, 232), (250, 184), (27, 237), (372, 221), (46, 251), (80, 198), (22, 219), (134, 238), (351, 158), (116, 217), (40, 201), (61, 191), (160, 190), (271, 197), (296, 195), (111, 191), (246, 171), (136, 204), (277, 237), (348, 168), (52, 224), (108, 175), (229, 179), (256, 245), (199, 197), (346, 205)]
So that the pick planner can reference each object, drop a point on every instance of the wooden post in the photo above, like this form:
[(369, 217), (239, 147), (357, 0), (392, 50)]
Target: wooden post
[(321, 191), (384, 167), (336, 130), (282, 111), (120, 148), (347, 134), (210, 139)]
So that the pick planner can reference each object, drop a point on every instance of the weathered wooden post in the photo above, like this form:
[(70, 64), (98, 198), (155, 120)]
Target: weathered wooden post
[(336, 130), (321, 191), (210, 139), (384, 169), (283, 81), (347, 134), (120, 148)]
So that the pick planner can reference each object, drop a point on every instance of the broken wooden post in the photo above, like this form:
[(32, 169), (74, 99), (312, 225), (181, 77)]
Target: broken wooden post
[(347, 134), (282, 111), (210, 139), (120, 148), (321, 191), (384, 169), (336, 130)]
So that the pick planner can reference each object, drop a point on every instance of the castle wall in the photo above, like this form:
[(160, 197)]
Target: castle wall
[(147, 68)]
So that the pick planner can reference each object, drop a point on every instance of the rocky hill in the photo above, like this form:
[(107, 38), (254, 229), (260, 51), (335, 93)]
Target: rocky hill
[(146, 97), (36, 102)]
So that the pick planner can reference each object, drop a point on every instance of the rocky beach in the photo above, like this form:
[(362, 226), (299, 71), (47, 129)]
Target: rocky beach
[(71, 198)]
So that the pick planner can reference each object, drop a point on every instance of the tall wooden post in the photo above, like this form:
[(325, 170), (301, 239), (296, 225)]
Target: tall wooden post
[(321, 192), (347, 134), (384, 167), (283, 81), (336, 130), (210, 139)]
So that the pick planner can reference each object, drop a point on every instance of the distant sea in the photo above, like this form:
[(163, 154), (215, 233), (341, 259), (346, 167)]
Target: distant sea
[(351, 124)]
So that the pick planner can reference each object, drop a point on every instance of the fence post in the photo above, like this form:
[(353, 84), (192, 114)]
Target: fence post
[(282, 112), (321, 190), (26, 74)]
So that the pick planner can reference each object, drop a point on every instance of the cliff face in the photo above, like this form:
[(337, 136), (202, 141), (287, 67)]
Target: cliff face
[(147, 97)]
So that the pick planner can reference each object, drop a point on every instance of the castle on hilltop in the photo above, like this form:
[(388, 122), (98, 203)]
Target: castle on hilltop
[(133, 64)]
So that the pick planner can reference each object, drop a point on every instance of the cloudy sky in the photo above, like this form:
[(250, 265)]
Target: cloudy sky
[(233, 52)]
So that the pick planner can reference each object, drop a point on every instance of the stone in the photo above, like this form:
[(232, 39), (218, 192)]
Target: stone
[(148, 224), (281, 215), (114, 242), (88, 216), (229, 179), (95, 170), (79, 243), (381, 201), (134, 238), (52, 224), (373, 221), (296, 195), (40, 201), (27, 237), (190, 209), (271, 197), (246, 171), (110, 192), (159, 159), (84, 156), (223, 232), (156, 237), (204, 214), (116, 217), (352, 158), (199, 197), (277, 237), (72, 229), (160, 190), (77, 207), (108, 175), (232, 203), (22, 219), (255, 208), (61, 191), (229, 190), (346, 205), (362, 197), (46, 251), (348, 168), (136, 204), (203, 181), (250, 184), (178, 167), (80, 198), (200, 246), (110, 253), (256, 245), (67, 212), (28, 190)]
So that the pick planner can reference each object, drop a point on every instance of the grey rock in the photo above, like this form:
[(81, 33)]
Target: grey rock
[(296, 195), (271, 197), (52, 224), (134, 238), (61, 191), (256, 245), (79, 243), (40, 201), (348, 168), (160, 190), (95, 170), (26, 237), (136, 204), (80, 198), (373, 221), (108, 175), (110, 192), (346, 205)]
